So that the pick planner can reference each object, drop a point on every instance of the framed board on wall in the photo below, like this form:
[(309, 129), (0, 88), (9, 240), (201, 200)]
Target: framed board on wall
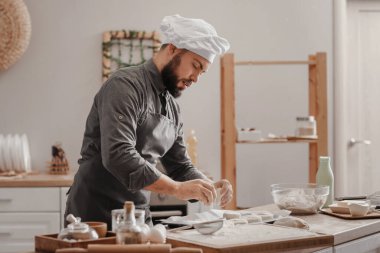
[(127, 48)]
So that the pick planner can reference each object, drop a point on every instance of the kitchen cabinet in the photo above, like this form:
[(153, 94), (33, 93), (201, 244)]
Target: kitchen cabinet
[(17, 230), (30, 207), (317, 108), (29, 199), (328, 250), (368, 244), (63, 198)]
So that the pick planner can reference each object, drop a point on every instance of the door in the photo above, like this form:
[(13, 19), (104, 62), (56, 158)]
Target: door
[(360, 170)]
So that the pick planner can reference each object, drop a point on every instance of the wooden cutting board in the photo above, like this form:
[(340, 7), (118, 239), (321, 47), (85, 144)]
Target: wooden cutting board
[(252, 238)]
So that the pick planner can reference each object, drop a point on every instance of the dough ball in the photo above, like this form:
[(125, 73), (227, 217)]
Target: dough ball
[(265, 215), (231, 215), (239, 221), (292, 222), (253, 218)]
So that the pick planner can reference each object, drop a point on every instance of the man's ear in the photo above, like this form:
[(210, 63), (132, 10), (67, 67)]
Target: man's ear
[(172, 48)]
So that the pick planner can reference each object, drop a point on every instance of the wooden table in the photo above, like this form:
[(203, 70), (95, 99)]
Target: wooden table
[(341, 229), (326, 232), (39, 180)]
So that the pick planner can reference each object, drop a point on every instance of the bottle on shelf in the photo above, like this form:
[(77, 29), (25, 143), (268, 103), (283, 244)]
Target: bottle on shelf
[(128, 232), (192, 143), (306, 126), (325, 176), (191, 146)]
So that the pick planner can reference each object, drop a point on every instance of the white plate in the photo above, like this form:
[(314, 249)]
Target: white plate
[(2, 162), (26, 161), (13, 153), (17, 145), (7, 153), (335, 208)]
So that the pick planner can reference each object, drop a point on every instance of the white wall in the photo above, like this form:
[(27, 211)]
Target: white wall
[(48, 93)]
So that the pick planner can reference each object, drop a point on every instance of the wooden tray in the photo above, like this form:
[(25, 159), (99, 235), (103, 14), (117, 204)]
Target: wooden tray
[(373, 215), (50, 243)]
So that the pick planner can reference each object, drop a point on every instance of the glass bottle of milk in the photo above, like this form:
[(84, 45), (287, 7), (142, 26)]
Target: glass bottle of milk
[(325, 176)]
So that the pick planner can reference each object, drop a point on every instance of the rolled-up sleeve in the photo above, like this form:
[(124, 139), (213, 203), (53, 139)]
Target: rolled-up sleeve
[(119, 107), (177, 161)]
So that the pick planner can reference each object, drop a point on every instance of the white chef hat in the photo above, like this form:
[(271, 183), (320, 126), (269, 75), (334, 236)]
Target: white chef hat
[(195, 35)]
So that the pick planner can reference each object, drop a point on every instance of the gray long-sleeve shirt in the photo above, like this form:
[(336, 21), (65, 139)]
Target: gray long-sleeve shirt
[(125, 136), (126, 127)]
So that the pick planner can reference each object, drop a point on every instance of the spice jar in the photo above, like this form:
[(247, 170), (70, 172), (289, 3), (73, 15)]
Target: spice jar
[(306, 126)]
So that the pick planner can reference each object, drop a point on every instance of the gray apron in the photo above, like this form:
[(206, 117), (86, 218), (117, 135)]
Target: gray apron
[(96, 192)]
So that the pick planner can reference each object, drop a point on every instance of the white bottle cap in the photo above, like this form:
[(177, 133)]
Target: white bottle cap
[(324, 159)]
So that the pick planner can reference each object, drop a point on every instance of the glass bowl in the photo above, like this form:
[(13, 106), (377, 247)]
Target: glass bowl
[(209, 227), (300, 198), (78, 231)]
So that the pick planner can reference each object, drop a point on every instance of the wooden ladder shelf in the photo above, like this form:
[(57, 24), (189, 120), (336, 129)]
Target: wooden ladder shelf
[(317, 108)]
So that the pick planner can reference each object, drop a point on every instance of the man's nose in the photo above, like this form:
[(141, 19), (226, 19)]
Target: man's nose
[(194, 77)]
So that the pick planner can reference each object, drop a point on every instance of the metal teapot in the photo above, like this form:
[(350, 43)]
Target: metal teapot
[(77, 230)]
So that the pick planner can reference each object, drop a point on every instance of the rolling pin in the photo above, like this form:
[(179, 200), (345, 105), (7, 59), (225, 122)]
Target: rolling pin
[(71, 250), (186, 250), (135, 248)]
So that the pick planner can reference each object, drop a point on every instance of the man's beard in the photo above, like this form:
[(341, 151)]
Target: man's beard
[(169, 76)]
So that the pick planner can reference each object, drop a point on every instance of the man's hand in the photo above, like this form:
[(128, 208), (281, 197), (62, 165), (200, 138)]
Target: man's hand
[(198, 189), (225, 191)]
